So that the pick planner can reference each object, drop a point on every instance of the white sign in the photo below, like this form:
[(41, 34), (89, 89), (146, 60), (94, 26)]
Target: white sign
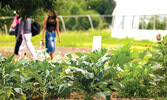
[(96, 43)]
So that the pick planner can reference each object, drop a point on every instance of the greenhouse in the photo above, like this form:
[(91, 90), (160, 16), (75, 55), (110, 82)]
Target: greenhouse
[(139, 19)]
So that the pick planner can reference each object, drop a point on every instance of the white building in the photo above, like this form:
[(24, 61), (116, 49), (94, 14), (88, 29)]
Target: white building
[(129, 15)]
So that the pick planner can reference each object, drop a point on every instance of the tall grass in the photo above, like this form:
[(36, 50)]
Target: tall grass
[(82, 39)]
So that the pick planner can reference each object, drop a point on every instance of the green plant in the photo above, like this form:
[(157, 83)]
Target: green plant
[(136, 79), (25, 79), (159, 65), (135, 74), (121, 56), (90, 75), (105, 25), (98, 73), (43, 78), (10, 79)]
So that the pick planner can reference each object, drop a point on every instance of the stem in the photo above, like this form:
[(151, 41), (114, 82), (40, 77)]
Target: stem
[(3, 74), (44, 93), (44, 88)]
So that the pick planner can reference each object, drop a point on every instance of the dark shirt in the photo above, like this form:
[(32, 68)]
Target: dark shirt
[(51, 25)]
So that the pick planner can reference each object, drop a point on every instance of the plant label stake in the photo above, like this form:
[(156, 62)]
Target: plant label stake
[(96, 43)]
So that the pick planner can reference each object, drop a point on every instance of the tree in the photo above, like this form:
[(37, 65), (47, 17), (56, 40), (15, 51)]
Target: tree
[(103, 7), (27, 8)]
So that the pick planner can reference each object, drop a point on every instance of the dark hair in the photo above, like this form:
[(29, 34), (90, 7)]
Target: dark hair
[(54, 14)]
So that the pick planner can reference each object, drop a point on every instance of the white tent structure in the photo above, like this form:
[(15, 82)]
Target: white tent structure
[(129, 15)]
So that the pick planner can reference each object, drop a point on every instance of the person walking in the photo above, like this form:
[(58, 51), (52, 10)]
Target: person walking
[(51, 25), (15, 25), (25, 31)]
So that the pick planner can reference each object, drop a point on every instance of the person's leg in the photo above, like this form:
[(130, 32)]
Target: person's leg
[(30, 45), (51, 55), (53, 41), (17, 46), (22, 47), (50, 43), (16, 50)]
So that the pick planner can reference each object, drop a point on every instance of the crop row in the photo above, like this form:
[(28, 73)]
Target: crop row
[(100, 73)]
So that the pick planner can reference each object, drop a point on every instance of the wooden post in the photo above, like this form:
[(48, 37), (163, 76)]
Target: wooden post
[(154, 22), (64, 27), (91, 23), (6, 29), (143, 22)]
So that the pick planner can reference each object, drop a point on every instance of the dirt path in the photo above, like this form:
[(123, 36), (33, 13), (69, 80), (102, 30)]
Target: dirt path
[(58, 51)]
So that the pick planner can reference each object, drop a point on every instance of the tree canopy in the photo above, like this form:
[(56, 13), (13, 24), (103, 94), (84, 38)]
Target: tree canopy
[(39, 8), (101, 6), (26, 8)]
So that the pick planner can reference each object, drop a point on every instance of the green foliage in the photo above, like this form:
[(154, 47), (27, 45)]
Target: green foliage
[(121, 56), (83, 39), (38, 9), (135, 75), (5, 11), (63, 6), (90, 74), (81, 23), (105, 25), (159, 24), (159, 64), (75, 9), (103, 7), (25, 9), (136, 79), (100, 73), (10, 80), (30, 78), (6, 93)]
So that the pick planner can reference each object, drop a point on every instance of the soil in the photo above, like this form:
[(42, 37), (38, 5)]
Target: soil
[(58, 51), (76, 96)]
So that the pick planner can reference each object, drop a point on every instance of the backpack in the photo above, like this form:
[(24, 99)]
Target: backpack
[(35, 28), (13, 31)]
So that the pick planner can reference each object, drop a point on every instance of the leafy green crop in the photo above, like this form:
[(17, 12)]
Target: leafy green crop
[(99, 73), (159, 65), (90, 74), (121, 56)]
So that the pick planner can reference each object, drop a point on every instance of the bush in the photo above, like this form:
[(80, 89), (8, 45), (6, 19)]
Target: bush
[(105, 25), (81, 23)]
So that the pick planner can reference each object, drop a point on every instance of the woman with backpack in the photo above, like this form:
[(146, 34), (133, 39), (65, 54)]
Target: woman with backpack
[(26, 32), (51, 25)]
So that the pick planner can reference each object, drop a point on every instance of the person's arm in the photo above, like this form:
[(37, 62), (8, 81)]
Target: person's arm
[(57, 29), (14, 22), (20, 29), (44, 27)]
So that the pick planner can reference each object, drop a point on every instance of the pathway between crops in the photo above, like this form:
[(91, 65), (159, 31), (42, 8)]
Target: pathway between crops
[(59, 50)]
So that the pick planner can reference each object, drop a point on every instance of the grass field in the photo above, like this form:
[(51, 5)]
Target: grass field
[(82, 39)]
